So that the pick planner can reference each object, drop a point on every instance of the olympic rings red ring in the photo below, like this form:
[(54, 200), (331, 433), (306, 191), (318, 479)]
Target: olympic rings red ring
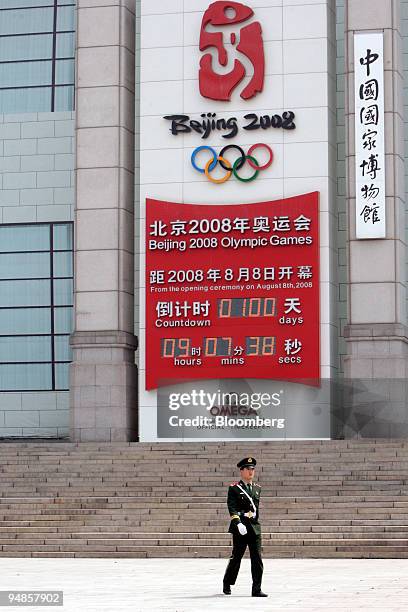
[(231, 168), (252, 149)]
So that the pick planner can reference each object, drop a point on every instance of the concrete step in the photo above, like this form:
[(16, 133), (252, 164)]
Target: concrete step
[(128, 545), (331, 499), (220, 502), (214, 552), (269, 539)]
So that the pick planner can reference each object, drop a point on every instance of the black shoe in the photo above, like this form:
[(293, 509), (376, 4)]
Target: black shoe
[(259, 594), (226, 589)]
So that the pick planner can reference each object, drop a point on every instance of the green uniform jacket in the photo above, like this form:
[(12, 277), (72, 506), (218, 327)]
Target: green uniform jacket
[(238, 504)]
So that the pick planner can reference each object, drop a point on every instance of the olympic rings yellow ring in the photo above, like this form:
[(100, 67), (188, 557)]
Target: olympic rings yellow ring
[(222, 179)]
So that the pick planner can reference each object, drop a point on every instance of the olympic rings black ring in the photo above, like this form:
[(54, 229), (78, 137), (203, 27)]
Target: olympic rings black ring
[(241, 159)]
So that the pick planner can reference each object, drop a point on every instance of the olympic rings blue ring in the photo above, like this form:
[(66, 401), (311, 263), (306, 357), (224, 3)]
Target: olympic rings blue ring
[(202, 148)]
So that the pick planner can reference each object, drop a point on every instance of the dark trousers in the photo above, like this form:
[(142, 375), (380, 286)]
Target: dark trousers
[(240, 543)]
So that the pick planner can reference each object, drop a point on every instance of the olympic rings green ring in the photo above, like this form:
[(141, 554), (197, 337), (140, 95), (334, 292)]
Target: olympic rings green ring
[(235, 172)]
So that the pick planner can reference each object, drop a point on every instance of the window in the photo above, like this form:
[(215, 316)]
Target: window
[(37, 47), (36, 297)]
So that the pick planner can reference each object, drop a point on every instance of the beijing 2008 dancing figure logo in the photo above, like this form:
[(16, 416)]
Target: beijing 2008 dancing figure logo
[(248, 43)]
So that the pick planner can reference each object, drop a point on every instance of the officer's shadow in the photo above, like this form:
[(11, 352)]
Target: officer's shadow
[(215, 596)]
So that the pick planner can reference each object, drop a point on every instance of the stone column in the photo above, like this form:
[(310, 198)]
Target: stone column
[(103, 374), (376, 334)]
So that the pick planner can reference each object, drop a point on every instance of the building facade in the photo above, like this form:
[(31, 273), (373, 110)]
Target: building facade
[(115, 228)]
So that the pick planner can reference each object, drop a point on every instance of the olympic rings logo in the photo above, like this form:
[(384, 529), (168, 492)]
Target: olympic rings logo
[(231, 169)]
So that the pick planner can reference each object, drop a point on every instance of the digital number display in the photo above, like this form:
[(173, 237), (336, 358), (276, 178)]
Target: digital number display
[(255, 346), (175, 347), (246, 307), (217, 347)]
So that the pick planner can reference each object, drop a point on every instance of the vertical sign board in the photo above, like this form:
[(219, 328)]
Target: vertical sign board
[(369, 135), (234, 185), (232, 291)]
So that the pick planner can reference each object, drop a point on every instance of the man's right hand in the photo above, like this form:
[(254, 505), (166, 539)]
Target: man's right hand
[(242, 529)]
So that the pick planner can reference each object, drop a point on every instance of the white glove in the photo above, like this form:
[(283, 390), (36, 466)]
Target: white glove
[(242, 529)]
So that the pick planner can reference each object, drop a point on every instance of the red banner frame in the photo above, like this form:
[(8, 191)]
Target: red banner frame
[(187, 242)]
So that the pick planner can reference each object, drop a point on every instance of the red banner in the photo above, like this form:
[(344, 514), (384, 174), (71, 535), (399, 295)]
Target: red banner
[(232, 291)]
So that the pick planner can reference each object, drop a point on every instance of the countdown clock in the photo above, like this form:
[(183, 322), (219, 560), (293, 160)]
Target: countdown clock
[(232, 291)]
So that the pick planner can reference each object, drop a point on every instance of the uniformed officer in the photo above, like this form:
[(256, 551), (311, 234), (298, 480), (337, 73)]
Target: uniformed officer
[(243, 506)]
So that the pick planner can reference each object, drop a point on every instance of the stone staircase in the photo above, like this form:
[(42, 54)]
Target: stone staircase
[(319, 499)]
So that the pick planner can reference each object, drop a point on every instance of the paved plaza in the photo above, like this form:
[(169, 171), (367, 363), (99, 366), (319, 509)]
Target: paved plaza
[(188, 585)]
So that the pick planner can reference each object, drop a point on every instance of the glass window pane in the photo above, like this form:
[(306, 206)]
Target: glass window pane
[(66, 18), (27, 21), (25, 265), (63, 292), (64, 98), (36, 100), (26, 47), (25, 74), (63, 351), (25, 286), (33, 348), (31, 377), (64, 72), (62, 264), (62, 320), (21, 320), (63, 237), (62, 376), (19, 3), (66, 45), (25, 293), (25, 321), (24, 238)]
